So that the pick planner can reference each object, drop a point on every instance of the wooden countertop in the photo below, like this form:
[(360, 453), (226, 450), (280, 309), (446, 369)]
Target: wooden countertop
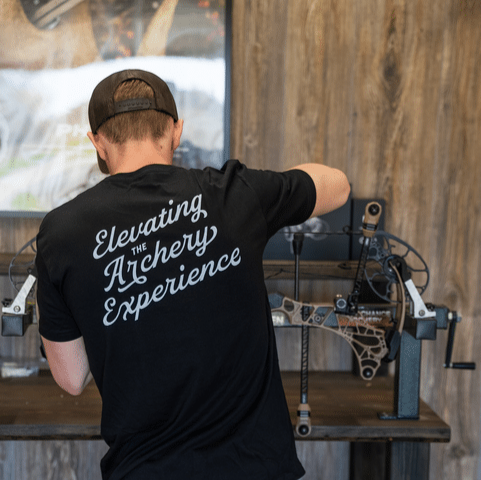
[(343, 407), (36, 408)]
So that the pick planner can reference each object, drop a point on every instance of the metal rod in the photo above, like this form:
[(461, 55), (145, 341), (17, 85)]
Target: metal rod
[(303, 414)]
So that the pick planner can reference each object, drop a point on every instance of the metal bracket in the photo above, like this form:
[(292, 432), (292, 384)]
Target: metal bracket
[(19, 305), (420, 309)]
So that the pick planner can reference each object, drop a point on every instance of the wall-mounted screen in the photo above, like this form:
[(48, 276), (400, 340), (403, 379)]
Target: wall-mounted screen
[(54, 52)]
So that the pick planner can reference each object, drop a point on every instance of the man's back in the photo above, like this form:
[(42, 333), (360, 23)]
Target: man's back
[(166, 288)]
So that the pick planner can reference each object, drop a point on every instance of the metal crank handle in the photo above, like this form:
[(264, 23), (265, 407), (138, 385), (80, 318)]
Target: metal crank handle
[(462, 365), (449, 347)]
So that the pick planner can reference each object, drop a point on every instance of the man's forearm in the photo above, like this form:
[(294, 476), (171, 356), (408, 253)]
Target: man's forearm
[(69, 364)]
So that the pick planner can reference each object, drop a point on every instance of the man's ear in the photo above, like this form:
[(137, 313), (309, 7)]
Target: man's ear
[(178, 127), (98, 143)]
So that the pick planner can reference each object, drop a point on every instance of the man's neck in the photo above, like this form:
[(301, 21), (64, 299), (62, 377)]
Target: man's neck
[(134, 155)]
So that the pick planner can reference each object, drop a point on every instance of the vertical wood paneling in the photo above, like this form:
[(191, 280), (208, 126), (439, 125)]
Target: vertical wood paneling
[(259, 37), (324, 460), (455, 253), (51, 460)]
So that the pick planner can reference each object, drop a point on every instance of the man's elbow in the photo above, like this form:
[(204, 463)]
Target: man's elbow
[(344, 190), (333, 193), (73, 386), (74, 390)]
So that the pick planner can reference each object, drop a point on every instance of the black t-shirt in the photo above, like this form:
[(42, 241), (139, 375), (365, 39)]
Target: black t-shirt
[(160, 271)]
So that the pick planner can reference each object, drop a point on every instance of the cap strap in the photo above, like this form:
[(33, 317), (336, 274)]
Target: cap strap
[(133, 104)]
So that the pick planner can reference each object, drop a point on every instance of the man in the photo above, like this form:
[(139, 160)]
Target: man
[(153, 282)]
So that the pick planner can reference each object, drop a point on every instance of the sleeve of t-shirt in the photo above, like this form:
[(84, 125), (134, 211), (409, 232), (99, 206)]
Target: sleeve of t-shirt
[(56, 322), (286, 198)]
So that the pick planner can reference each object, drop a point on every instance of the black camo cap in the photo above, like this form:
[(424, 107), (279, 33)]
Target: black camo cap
[(102, 105)]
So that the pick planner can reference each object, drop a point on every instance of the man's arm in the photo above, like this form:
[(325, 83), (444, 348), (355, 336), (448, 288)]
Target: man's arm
[(69, 364), (332, 187)]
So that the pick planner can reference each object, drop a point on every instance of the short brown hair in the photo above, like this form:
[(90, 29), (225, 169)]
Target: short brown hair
[(136, 125)]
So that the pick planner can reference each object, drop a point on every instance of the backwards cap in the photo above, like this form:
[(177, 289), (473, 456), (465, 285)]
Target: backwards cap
[(102, 105)]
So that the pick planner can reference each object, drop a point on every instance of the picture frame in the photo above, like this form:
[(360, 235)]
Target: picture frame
[(53, 55)]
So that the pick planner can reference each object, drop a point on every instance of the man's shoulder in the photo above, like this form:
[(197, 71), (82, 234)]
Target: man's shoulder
[(231, 169), (68, 212)]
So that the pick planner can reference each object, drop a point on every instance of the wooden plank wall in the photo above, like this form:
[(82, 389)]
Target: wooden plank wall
[(388, 91)]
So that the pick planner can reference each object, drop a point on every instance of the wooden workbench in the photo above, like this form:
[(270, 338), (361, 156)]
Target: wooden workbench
[(273, 269), (344, 408)]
